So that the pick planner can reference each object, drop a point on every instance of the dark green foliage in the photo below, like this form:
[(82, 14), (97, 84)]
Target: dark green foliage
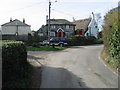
[(14, 63), (35, 45), (114, 45), (83, 40), (33, 40), (111, 36)]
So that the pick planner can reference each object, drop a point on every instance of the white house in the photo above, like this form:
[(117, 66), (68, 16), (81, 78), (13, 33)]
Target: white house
[(93, 28), (15, 30), (86, 27)]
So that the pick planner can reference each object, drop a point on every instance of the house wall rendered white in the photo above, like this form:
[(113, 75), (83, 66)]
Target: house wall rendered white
[(24, 30), (92, 29), (11, 30)]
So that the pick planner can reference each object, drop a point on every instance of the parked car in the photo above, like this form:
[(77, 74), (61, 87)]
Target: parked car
[(58, 41), (45, 43)]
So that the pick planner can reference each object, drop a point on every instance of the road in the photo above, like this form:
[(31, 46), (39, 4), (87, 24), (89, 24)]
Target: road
[(78, 67)]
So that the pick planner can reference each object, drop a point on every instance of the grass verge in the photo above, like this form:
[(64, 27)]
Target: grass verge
[(45, 48)]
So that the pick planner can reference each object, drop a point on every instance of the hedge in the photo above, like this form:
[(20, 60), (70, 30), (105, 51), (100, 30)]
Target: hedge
[(114, 45), (14, 61), (83, 40), (111, 37)]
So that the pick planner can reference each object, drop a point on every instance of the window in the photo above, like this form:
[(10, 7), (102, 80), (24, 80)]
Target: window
[(52, 26), (67, 26), (96, 27), (40, 34), (52, 34)]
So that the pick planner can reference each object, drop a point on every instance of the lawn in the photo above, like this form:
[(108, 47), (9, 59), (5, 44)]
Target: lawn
[(45, 48)]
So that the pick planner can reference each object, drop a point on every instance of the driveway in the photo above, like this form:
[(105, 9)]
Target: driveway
[(76, 67)]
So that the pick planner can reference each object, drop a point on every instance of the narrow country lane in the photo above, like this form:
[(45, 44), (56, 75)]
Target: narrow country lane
[(78, 67)]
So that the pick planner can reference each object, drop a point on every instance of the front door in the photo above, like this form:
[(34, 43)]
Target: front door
[(60, 34)]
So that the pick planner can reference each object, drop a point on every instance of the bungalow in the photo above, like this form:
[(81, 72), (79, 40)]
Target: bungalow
[(86, 27), (15, 30), (58, 28)]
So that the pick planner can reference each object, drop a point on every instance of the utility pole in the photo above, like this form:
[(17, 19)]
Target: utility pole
[(49, 20)]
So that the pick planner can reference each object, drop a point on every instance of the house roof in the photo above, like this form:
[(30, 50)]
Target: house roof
[(60, 21), (82, 24), (14, 23)]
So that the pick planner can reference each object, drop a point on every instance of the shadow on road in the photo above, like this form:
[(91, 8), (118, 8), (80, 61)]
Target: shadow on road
[(60, 78)]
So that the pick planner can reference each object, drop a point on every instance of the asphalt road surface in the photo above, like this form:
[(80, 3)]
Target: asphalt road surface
[(78, 67)]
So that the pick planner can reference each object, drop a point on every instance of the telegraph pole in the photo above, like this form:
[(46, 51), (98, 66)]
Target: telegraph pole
[(49, 20)]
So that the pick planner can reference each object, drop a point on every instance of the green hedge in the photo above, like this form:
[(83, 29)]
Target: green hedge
[(14, 62), (83, 40), (111, 37), (114, 45)]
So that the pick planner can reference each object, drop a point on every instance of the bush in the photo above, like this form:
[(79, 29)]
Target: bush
[(14, 61), (111, 36), (83, 40), (114, 45), (36, 45)]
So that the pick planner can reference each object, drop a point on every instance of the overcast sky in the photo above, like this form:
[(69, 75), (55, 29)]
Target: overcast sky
[(35, 11)]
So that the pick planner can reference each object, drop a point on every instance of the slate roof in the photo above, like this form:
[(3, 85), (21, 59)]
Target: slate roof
[(60, 21), (82, 24), (14, 23)]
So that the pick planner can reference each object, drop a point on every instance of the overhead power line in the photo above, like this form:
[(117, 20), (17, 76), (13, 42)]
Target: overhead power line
[(32, 5), (65, 13)]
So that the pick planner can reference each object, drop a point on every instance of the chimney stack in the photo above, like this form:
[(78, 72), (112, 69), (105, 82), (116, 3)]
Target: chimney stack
[(10, 19), (23, 20), (93, 15), (46, 19), (73, 19)]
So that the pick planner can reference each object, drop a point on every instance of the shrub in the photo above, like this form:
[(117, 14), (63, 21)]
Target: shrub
[(114, 45), (36, 45), (14, 61), (83, 40), (111, 36)]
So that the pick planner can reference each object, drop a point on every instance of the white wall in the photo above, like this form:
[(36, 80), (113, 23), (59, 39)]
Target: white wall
[(22, 30), (92, 30)]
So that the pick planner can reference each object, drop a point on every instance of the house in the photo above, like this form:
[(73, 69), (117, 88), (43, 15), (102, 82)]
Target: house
[(86, 27), (15, 30), (58, 28)]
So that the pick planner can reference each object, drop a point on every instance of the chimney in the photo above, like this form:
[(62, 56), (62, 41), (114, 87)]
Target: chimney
[(46, 19), (23, 20), (10, 19), (73, 19), (93, 15)]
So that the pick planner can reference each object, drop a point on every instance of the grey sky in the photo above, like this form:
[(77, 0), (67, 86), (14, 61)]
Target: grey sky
[(35, 11)]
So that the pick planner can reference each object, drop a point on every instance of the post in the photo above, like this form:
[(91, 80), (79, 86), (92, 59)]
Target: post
[(49, 21)]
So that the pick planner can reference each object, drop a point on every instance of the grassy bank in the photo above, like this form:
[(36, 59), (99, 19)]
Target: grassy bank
[(45, 48)]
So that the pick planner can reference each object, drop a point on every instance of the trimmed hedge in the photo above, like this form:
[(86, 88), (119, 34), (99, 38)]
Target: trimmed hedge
[(14, 61), (83, 40)]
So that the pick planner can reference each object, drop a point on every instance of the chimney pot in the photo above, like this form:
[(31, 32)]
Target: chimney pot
[(23, 20), (10, 19)]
